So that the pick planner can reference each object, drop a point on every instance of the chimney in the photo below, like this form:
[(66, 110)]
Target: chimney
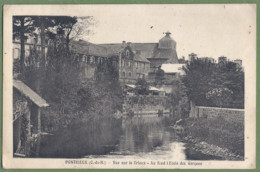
[(129, 44), (168, 33), (123, 44), (138, 52)]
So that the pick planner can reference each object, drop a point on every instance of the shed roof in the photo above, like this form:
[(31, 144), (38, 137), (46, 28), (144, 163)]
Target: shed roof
[(173, 68), (28, 92)]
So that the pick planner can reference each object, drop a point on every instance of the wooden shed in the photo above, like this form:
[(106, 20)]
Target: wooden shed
[(27, 106)]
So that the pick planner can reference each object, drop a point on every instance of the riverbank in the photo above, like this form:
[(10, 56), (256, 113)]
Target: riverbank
[(201, 150), (216, 137)]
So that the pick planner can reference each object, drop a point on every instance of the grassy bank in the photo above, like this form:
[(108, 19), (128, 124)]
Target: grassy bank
[(219, 132)]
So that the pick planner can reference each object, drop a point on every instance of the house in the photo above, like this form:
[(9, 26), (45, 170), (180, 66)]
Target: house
[(146, 57), (27, 106), (131, 62)]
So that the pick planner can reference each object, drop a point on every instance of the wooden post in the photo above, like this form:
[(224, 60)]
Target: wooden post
[(28, 133), (39, 120), (39, 131)]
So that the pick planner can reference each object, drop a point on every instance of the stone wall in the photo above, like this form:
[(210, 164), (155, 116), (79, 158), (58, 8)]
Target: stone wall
[(213, 112)]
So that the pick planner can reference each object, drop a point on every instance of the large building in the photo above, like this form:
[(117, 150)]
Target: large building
[(134, 60), (144, 55)]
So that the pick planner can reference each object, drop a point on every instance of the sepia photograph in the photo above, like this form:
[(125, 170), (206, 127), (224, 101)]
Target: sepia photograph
[(129, 86)]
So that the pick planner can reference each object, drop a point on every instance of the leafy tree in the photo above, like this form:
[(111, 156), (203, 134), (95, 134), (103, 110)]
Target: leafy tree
[(211, 84), (142, 86), (178, 100), (66, 24)]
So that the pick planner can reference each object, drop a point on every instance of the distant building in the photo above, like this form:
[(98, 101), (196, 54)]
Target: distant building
[(193, 56), (132, 65), (208, 59), (238, 61), (157, 53), (222, 59), (89, 55), (31, 42)]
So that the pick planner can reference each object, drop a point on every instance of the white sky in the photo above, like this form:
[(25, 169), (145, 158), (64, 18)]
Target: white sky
[(207, 30)]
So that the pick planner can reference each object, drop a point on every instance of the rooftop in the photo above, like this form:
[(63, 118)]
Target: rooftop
[(29, 93)]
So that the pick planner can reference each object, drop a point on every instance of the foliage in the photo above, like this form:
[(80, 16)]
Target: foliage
[(211, 84), (178, 99), (142, 87)]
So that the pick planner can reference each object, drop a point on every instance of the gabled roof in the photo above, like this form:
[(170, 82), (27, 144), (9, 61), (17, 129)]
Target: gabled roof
[(140, 58), (29, 93), (145, 48), (87, 48)]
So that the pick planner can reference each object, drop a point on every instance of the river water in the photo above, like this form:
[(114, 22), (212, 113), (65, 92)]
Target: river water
[(147, 137)]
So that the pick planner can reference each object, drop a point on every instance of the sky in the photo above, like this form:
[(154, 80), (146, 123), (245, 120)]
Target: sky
[(207, 30)]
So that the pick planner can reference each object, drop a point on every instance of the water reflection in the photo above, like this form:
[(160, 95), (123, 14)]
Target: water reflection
[(147, 138)]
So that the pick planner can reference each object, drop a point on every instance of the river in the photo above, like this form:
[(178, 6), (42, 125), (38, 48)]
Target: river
[(148, 138)]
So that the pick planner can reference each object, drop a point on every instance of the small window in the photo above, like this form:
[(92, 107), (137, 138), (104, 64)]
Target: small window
[(130, 74), (129, 63), (92, 59)]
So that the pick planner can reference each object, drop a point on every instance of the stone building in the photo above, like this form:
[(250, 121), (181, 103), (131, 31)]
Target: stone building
[(31, 43), (90, 56), (164, 52), (132, 62)]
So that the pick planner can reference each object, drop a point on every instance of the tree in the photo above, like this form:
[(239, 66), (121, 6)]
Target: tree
[(21, 26), (142, 86), (66, 24), (178, 100), (81, 30), (211, 84)]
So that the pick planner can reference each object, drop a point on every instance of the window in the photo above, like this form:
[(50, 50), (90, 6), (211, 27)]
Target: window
[(127, 53), (92, 59), (123, 74), (16, 53), (123, 63), (130, 74), (129, 63)]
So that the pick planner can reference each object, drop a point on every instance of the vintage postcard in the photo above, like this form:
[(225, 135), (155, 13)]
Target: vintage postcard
[(129, 86)]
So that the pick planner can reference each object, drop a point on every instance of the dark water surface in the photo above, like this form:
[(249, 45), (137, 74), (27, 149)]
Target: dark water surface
[(144, 137)]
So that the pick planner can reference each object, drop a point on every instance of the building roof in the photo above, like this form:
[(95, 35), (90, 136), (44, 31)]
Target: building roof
[(140, 58), (29, 93), (169, 54), (173, 68), (87, 48), (148, 50), (145, 48)]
